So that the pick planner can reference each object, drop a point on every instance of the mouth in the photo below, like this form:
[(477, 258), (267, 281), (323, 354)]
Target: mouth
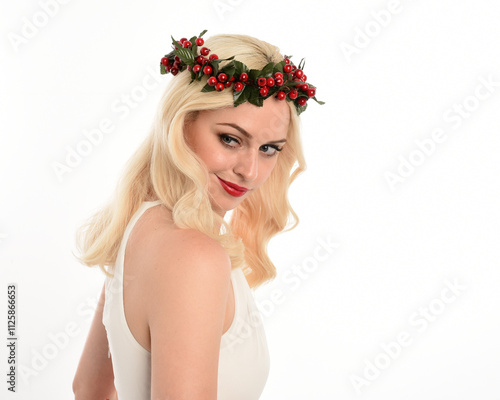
[(232, 188)]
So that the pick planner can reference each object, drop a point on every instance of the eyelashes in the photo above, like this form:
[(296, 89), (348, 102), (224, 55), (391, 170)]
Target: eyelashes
[(227, 140)]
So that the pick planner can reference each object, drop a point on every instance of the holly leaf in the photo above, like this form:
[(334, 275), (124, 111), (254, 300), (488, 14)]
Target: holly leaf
[(267, 70), (202, 33), (185, 55), (279, 67), (239, 68), (175, 43), (207, 88), (253, 74), (318, 101), (255, 97), (241, 96), (300, 109), (229, 69), (162, 69)]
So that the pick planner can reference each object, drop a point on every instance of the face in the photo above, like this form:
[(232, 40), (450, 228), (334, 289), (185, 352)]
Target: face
[(240, 147)]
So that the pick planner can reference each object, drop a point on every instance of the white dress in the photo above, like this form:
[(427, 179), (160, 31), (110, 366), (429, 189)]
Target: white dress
[(243, 358)]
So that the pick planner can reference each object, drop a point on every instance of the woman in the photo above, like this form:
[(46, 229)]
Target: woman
[(176, 311)]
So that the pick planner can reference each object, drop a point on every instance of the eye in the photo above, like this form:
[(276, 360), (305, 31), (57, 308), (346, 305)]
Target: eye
[(270, 150), (228, 140)]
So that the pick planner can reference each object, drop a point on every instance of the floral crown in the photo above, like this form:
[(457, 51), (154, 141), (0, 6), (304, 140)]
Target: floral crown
[(284, 79)]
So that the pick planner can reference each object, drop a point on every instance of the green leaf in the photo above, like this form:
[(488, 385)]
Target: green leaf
[(279, 67), (207, 88), (293, 83), (174, 42), (302, 64), (258, 101), (229, 69), (202, 33), (267, 70), (255, 97), (240, 68), (215, 66), (241, 96), (318, 101), (253, 74), (300, 109), (185, 55)]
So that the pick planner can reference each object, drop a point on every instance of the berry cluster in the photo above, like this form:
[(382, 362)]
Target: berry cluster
[(283, 80)]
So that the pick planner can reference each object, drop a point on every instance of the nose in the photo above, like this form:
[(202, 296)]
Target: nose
[(248, 165)]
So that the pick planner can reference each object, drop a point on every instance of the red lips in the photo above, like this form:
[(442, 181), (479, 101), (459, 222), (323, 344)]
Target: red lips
[(232, 188)]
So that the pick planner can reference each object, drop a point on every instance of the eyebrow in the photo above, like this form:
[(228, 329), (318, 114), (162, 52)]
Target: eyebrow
[(244, 132)]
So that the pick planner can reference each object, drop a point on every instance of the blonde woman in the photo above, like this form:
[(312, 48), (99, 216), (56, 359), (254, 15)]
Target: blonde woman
[(177, 318)]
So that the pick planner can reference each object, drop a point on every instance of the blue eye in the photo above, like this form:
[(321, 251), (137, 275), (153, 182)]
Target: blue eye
[(273, 150), (227, 140)]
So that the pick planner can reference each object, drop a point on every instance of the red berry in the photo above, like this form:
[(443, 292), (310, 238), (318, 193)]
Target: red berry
[(299, 73), (182, 40), (281, 95), (212, 81), (174, 71), (200, 59), (186, 44), (238, 86), (176, 58), (287, 61), (304, 78), (304, 87), (261, 81), (264, 91), (164, 61), (287, 68), (294, 67), (279, 81), (197, 68), (302, 101), (177, 65), (168, 68), (219, 87), (204, 51), (227, 84), (293, 94), (222, 77), (232, 79), (311, 92), (270, 82), (243, 77), (278, 75), (207, 69), (213, 57), (199, 42)]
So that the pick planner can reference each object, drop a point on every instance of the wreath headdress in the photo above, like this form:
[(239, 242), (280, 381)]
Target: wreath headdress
[(284, 80)]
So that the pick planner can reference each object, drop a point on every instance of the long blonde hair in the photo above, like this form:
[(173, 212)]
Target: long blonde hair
[(165, 168)]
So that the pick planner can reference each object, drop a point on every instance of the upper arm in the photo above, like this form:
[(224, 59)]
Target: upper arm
[(94, 376), (188, 286)]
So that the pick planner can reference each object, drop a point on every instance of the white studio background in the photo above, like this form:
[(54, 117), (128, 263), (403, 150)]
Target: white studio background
[(387, 289)]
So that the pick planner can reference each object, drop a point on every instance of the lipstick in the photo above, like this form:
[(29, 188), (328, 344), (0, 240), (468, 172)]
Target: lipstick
[(232, 188)]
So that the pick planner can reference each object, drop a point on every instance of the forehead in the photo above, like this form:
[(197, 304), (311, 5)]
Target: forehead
[(269, 122)]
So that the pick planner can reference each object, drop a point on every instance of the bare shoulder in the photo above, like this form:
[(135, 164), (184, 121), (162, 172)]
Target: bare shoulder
[(163, 244), (185, 280), (169, 256)]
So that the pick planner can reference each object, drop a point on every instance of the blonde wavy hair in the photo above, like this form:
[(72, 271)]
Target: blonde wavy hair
[(164, 168)]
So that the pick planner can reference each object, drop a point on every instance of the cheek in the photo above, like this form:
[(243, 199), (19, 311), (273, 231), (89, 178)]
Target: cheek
[(215, 158), (267, 169)]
